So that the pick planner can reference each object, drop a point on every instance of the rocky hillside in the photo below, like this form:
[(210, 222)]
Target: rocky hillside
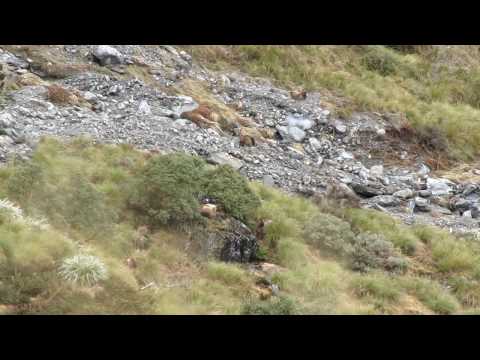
[(239, 179)]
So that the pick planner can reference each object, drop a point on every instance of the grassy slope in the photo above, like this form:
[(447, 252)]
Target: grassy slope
[(436, 88), (314, 280)]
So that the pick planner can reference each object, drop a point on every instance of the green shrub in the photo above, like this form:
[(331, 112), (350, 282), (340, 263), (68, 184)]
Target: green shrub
[(329, 233), (228, 187), (168, 188), (373, 251), (273, 306), (364, 251), (378, 223)]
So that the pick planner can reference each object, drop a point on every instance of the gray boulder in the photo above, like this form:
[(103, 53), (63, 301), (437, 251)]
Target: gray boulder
[(386, 200), (301, 123), (296, 133), (404, 194), (220, 158), (440, 186), (107, 55)]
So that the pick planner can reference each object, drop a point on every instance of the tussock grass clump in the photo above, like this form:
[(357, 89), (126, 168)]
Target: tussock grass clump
[(84, 270)]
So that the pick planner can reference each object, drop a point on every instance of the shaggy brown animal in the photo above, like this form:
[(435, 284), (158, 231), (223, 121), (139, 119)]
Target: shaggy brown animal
[(253, 136), (298, 94), (260, 231), (209, 210), (131, 263), (203, 117)]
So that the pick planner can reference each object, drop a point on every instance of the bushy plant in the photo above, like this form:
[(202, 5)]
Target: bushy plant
[(228, 187), (168, 188), (82, 269), (373, 251), (363, 251), (25, 179), (329, 233), (274, 306)]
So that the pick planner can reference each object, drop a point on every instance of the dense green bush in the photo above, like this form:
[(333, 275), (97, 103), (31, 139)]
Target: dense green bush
[(274, 306), (231, 190), (168, 189)]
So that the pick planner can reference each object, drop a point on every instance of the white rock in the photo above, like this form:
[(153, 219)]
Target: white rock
[(340, 127), (6, 120), (107, 55), (87, 95), (296, 133), (376, 171), (301, 123), (439, 186), (144, 108), (315, 144)]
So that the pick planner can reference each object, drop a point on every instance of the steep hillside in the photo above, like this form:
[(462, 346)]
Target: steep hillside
[(239, 180)]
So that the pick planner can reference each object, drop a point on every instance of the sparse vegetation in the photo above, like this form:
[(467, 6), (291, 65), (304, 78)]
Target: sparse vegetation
[(429, 85)]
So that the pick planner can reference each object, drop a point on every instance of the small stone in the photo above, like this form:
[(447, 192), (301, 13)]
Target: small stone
[(461, 204), (376, 171), (320, 161), (340, 127), (439, 186), (224, 159), (381, 132), (301, 123), (421, 204), (366, 190), (87, 95), (6, 120), (179, 123), (296, 134), (404, 194), (467, 214), (469, 189), (268, 180), (386, 200), (315, 144), (425, 193), (144, 108)]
